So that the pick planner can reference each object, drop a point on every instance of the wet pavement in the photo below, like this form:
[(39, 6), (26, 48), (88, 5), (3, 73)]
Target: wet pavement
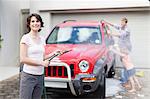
[(9, 89)]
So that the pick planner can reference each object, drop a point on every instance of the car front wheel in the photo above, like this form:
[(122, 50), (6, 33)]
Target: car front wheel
[(100, 92)]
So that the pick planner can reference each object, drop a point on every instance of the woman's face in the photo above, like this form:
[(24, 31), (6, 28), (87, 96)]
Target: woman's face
[(35, 24)]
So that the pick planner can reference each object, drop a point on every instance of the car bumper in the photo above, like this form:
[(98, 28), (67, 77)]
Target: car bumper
[(82, 83), (86, 83)]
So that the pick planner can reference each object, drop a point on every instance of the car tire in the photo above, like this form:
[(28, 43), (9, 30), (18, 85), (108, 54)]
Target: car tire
[(101, 90), (111, 72)]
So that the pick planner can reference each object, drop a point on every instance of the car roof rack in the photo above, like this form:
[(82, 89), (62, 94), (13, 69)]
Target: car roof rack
[(68, 21)]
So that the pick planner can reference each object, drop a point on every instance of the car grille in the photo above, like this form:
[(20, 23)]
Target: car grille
[(58, 71)]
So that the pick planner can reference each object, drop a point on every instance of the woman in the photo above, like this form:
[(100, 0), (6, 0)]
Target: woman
[(32, 56)]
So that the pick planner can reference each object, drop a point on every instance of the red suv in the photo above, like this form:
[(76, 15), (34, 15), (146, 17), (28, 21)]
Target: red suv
[(82, 69)]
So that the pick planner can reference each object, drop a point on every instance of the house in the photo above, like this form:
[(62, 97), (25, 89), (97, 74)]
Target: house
[(13, 14)]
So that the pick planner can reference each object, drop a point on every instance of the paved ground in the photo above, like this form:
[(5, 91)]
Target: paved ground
[(9, 89), (8, 71)]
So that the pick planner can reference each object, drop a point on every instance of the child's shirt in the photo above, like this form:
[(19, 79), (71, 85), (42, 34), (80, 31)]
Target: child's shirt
[(127, 62)]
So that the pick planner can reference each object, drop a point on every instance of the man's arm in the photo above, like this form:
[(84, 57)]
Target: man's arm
[(108, 23), (113, 25)]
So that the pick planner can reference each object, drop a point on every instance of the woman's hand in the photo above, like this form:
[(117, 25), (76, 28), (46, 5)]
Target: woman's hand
[(57, 52), (45, 63)]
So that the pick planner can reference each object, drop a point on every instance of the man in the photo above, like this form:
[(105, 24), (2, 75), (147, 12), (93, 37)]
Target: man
[(125, 48), (124, 34), (123, 42)]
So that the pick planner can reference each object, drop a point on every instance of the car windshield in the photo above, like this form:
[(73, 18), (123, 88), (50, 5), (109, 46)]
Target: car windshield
[(75, 35)]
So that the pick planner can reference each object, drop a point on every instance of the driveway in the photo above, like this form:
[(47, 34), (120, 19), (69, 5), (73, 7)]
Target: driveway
[(9, 89)]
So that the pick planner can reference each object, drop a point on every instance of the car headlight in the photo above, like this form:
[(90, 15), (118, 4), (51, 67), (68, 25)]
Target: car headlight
[(84, 65)]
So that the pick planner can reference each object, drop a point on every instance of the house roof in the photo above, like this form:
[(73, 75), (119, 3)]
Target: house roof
[(87, 4)]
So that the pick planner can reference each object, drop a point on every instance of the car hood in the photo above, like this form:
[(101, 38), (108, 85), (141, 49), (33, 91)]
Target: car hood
[(78, 51)]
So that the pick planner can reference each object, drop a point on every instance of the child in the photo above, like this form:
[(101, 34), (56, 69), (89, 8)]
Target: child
[(129, 67)]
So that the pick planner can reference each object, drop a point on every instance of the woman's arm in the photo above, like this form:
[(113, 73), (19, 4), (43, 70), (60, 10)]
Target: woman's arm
[(27, 60)]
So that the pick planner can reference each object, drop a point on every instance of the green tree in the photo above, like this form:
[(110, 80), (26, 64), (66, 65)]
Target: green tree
[(1, 41)]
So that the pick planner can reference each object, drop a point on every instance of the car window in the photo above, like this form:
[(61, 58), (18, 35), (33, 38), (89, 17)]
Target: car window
[(75, 35)]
